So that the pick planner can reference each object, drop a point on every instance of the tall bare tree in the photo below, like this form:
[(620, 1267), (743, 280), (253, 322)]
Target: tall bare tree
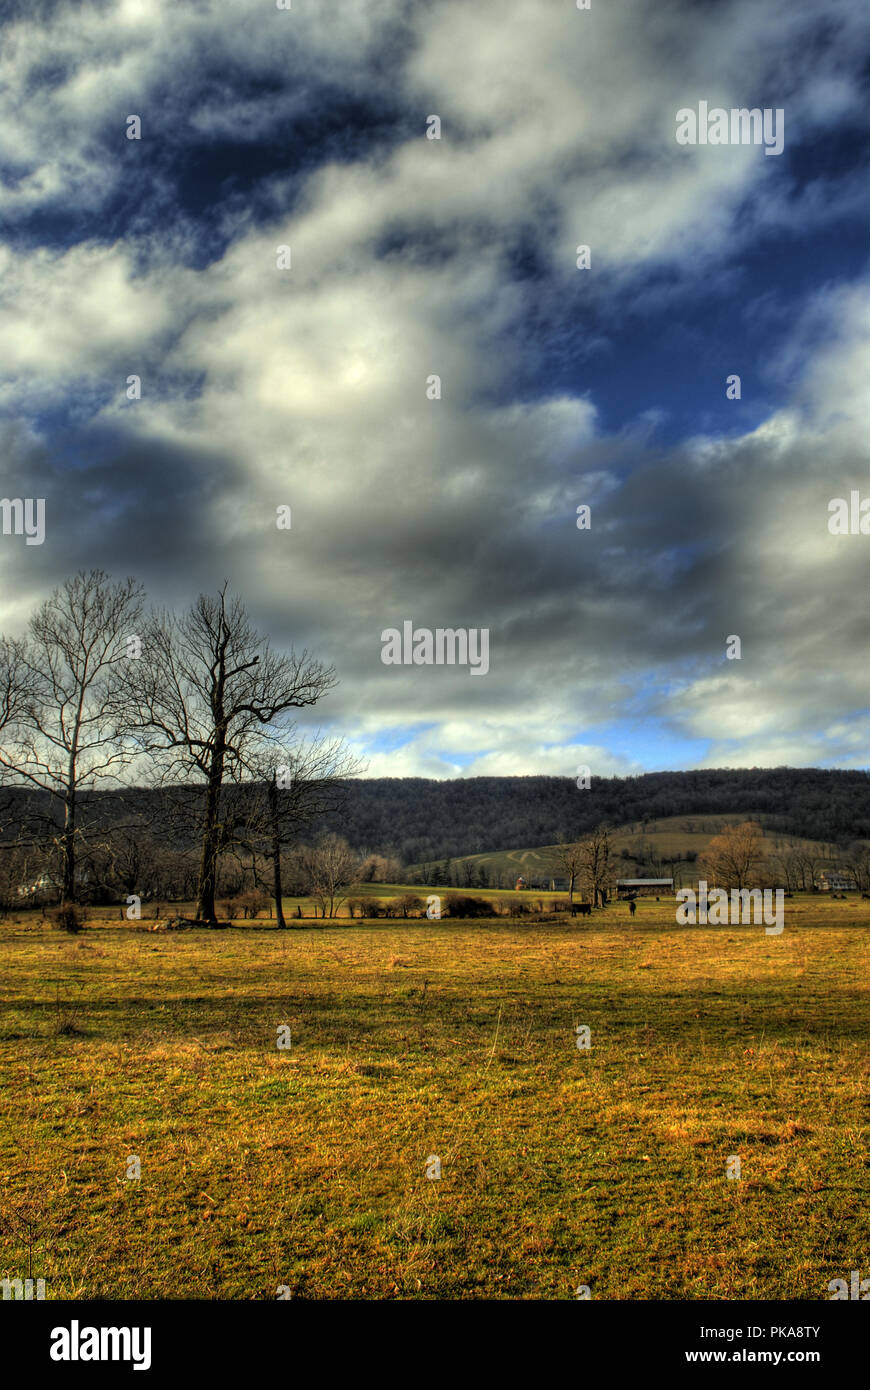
[(300, 782), (17, 689), (587, 861), (330, 868), (208, 696), (735, 858), (60, 691), (568, 861), (856, 863), (597, 872), (17, 682)]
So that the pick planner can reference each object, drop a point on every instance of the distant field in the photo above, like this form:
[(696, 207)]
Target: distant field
[(559, 1167), (664, 838), (801, 906), (377, 892)]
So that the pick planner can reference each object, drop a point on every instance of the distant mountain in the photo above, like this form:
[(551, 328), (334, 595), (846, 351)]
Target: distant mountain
[(421, 821)]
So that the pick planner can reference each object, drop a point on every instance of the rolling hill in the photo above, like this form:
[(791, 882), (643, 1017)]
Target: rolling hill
[(661, 848)]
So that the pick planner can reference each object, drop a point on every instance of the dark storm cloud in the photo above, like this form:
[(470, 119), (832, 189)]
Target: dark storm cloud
[(455, 257)]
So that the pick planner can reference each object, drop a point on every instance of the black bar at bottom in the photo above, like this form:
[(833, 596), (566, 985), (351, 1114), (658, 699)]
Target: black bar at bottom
[(421, 1342)]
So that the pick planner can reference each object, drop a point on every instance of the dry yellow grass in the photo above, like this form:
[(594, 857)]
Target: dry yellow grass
[(307, 1167)]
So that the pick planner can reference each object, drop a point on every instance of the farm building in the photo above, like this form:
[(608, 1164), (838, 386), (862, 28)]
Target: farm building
[(644, 887), (543, 882), (836, 883)]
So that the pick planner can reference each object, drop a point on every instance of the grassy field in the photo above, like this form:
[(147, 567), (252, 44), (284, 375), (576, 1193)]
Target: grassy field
[(663, 838), (559, 1167)]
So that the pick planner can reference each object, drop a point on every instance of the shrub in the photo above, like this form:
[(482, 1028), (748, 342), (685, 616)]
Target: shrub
[(460, 905), (411, 905), (246, 904), (254, 902), (68, 918)]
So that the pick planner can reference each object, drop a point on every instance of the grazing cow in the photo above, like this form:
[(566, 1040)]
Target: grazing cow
[(585, 909), (632, 907)]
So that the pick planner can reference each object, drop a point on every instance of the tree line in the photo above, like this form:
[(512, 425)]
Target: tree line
[(739, 858), (100, 691), (98, 686)]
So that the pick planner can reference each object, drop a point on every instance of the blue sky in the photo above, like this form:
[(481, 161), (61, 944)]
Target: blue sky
[(306, 387)]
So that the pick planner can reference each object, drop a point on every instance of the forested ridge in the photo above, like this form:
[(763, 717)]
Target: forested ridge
[(420, 820)]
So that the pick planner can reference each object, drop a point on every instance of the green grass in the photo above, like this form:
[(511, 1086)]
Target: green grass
[(559, 1167)]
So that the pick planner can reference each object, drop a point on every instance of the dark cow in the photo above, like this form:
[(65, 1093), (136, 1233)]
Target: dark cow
[(585, 909), (632, 907)]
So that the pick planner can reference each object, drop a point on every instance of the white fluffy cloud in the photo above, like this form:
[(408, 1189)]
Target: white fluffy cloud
[(308, 387)]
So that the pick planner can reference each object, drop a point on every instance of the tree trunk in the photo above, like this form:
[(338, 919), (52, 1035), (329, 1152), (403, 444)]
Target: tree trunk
[(68, 847), (207, 885), (277, 891)]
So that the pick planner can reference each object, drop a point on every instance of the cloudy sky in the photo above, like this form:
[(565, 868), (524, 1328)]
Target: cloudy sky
[(307, 387)]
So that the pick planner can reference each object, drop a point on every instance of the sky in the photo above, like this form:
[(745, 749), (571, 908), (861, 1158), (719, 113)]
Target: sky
[(267, 386)]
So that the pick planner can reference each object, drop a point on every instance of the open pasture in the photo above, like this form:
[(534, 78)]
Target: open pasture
[(560, 1167)]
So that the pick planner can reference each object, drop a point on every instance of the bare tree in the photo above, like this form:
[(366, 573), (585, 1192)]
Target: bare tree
[(380, 868), (18, 684), (806, 862), (568, 861), (331, 868), (597, 871), (17, 690), (410, 903), (297, 782), (735, 858), (588, 862), (207, 698), (857, 864), (60, 694), (783, 863)]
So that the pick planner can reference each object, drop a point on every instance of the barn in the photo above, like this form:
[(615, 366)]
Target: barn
[(547, 883), (833, 882), (644, 887)]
